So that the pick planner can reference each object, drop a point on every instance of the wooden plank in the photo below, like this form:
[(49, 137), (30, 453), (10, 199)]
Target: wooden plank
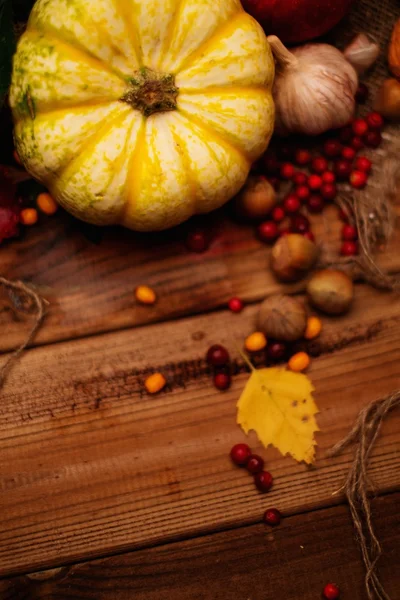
[(90, 465), (293, 561), (90, 286)]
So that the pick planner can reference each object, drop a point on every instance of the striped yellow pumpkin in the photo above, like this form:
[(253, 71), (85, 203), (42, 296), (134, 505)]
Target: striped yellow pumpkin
[(141, 112)]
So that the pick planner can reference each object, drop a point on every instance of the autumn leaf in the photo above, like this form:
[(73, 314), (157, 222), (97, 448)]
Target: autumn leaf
[(278, 405)]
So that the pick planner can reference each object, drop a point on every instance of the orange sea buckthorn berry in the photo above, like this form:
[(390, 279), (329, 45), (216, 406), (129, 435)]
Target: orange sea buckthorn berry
[(145, 295), (299, 362), (29, 216), (314, 328), (47, 204), (155, 383), (256, 342)]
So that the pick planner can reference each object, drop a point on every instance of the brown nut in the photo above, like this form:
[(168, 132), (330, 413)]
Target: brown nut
[(331, 291), (282, 318), (292, 256), (394, 51), (387, 101), (256, 199)]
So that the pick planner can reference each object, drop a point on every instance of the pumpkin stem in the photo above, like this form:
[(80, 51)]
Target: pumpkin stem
[(151, 92)]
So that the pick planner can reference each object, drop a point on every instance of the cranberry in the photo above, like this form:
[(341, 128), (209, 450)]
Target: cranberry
[(287, 171), (329, 191), (278, 214), (300, 224), (263, 481), (309, 236), (319, 165), (197, 241), (349, 249), (222, 381), (360, 127), (316, 204), (276, 351), (358, 179), (299, 178), (329, 177), (303, 192), (292, 204), (357, 143), (348, 153), (240, 454), (332, 148), (284, 232), (9, 222), (343, 169), (272, 516), (218, 356), (315, 182), (255, 464), (349, 233), (302, 157), (373, 139), (236, 305), (268, 232), (346, 134), (271, 165), (362, 93), (363, 164), (331, 592), (375, 120)]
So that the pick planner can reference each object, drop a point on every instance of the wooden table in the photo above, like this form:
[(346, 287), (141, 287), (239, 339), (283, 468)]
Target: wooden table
[(110, 494)]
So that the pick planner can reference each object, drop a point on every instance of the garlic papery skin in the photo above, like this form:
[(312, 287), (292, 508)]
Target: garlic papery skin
[(362, 53), (314, 88)]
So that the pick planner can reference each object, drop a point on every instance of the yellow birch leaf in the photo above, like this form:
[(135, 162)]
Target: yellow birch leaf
[(278, 405)]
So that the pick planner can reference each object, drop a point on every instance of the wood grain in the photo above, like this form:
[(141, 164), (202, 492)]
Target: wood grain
[(90, 284), (90, 465), (294, 561)]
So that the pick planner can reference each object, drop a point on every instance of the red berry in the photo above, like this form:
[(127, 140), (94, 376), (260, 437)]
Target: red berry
[(360, 127), (271, 165), (278, 214), (9, 221), (363, 164), (358, 179), (331, 592), (375, 121), (357, 143), (272, 517), (287, 171), (349, 233), (302, 157), (329, 177), (299, 178), (284, 232), (332, 148), (343, 169), (292, 204), (346, 134), (236, 305), (348, 153), (255, 464), (373, 139), (309, 235), (303, 192), (319, 165), (263, 481), (329, 191), (268, 232), (222, 381), (316, 204), (362, 93), (217, 356), (315, 182), (300, 224), (197, 241), (349, 249), (240, 454), (276, 351)]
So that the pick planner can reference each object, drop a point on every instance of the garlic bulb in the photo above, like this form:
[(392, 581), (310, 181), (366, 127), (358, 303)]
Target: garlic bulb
[(362, 53), (314, 88)]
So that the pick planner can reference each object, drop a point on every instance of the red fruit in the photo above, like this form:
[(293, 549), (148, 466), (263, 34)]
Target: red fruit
[(316, 204), (272, 517), (373, 139), (217, 356), (348, 153), (375, 120), (9, 221), (278, 214), (222, 381), (271, 165), (255, 464), (331, 592), (295, 21), (263, 481), (284, 232), (319, 165), (287, 171), (302, 157), (363, 164), (358, 179), (357, 143), (343, 169), (349, 249), (362, 93), (299, 178), (332, 148), (300, 224), (197, 241), (302, 192), (329, 191), (236, 305), (360, 127), (276, 351), (268, 232), (315, 182), (346, 134), (349, 233), (240, 454), (309, 235), (292, 204), (328, 177)]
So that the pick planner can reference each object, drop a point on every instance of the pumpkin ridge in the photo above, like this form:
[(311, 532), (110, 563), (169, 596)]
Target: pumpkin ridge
[(224, 89), (131, 28), (48, 111), (135, 172), (187, 164), (169, 37)]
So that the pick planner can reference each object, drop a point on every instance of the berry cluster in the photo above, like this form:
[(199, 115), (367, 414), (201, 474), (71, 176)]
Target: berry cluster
[(218, 358)]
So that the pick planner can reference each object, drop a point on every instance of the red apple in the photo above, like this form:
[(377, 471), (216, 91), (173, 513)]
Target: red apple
[(295, 21)]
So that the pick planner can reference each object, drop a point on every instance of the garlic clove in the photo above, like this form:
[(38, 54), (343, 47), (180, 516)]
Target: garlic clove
[(362, 53)]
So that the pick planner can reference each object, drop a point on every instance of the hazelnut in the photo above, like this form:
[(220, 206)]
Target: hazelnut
[(256, 199), (292, 256), (282, 318), (387, 101), (331, 291)]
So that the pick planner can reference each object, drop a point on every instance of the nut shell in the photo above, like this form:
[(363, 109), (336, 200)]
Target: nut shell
[(256, 199), (394, 51), (331, 291), (292, 256), (387, 101), (282, 318)]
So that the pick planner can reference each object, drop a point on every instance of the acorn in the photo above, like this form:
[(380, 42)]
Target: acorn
[(282, 318), (331, 291)]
